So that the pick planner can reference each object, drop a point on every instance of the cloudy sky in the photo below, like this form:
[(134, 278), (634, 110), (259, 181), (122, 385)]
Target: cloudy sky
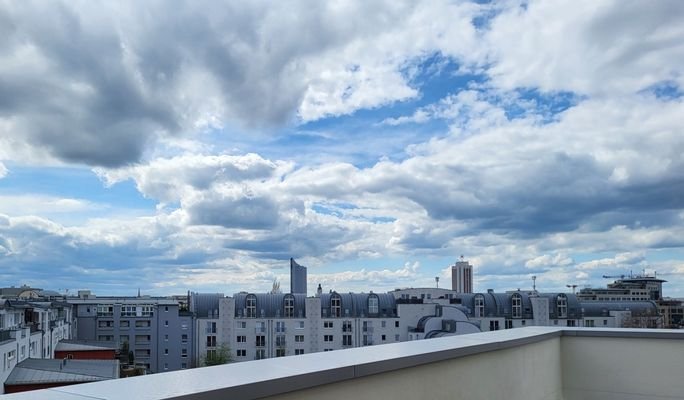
[(198, 145)]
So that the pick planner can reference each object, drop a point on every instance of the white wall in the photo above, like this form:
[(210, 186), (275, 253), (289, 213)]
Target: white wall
[(529, 372), (608, 368)]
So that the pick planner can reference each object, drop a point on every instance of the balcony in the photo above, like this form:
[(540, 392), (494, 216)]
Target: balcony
[(526, 363)]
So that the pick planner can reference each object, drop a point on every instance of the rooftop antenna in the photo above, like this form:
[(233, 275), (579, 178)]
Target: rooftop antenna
[(534, 282), (437, 281)]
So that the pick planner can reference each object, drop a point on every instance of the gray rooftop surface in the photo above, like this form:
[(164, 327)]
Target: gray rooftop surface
[(84, 345), (32, 371)]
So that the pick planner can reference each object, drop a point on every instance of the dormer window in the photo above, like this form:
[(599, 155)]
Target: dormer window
[(335, 305), (516, 305), (562, 306), (288, 306), (479, 306), (373, 303), (251, 306)]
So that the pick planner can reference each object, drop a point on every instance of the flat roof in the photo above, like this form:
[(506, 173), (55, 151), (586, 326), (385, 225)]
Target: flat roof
[(84, 345), (37, 371)]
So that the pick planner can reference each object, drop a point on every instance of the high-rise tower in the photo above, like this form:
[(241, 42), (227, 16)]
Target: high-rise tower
[(462, 276), (297, 277)]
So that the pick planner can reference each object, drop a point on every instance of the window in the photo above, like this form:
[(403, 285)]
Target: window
[(142, 324), (166, 352), (479, 306), (288, 305), (184, 353), (299, 338), (335, 305), (251, 306), (368, 326), (493, 325), (346, 340), (260, 354), (383, 338), (373, 304), (105, 324), (280, 341), (105, 338), (105, 310), (516, 305), (346, 326), (571, 322), (166, 308), (300, 325), (184, 365), (367, 340), (396, 324), (260, 327), (299, 351), (211, 341), (383, 324), (241, 325), (242, 339), (280, 326), (396, 338), (211, 327), (166, 366), (328, 324), (261, 341), (242, 353), (128, 311), (124, 324), (605, 322), (166, 323), (562, 305), (589, 323), (184, 338), (280, 352), (328, 338), (508, 324), (147, 311), (166, 338)]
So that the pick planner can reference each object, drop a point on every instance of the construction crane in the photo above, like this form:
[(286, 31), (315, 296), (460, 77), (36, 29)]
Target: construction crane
[(573, 288)]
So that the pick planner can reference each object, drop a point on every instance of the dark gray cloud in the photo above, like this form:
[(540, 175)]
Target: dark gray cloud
[(230, 212)]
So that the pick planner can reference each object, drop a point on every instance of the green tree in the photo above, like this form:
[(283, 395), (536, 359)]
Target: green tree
[(221, 355)]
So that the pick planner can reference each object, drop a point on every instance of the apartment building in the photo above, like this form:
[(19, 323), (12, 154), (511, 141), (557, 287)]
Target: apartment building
[(156, 331), (31, 329)]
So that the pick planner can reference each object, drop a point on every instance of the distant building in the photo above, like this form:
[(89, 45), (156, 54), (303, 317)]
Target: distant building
[(158, 332), (33, 374), (462, 277), (639, 288), (30, 328), (85, 350), (630, 288), (297, 278)]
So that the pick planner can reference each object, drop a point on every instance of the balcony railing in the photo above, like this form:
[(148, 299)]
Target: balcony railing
[(548, 363)]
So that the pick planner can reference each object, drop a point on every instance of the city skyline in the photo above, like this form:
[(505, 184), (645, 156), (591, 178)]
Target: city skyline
[(201, 147)]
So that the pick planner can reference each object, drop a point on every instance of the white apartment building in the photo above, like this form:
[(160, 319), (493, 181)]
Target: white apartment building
[(265, 325), (31, 329)]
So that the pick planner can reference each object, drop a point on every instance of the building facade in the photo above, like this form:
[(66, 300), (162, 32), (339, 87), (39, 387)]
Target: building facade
[(31, 328), (462, 277), (156, 332), (297, 278)]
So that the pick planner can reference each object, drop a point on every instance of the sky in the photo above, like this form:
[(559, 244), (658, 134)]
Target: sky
[(198, 145)]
